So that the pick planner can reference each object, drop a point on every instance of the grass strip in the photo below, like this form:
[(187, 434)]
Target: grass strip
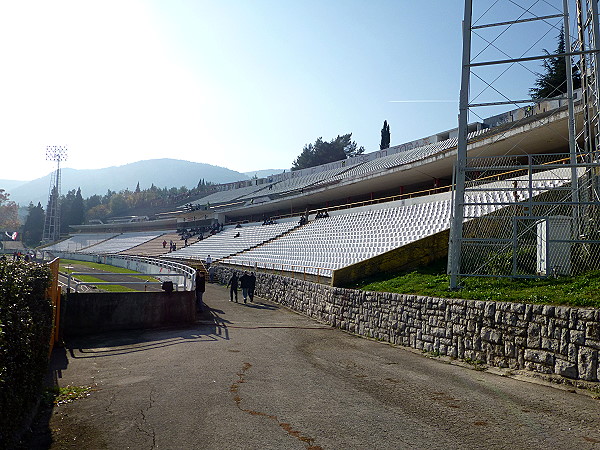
[(582, 290), (104, 267)]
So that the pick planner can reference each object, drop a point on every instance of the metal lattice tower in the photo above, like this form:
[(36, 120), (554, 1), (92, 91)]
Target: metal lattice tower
[(52, 219), (541, 213), (588, 38)]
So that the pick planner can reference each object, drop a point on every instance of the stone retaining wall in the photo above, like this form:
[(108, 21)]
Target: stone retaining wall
[(543, 338)]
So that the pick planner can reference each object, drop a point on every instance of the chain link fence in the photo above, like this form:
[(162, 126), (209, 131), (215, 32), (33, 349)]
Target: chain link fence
[(530, 216)]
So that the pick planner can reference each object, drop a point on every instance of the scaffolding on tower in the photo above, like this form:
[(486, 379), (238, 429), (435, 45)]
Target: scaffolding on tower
[(52, 219)]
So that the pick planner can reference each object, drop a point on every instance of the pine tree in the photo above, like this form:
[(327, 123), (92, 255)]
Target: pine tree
[(322, 152), (553, 82), (33, 229), (385, 136), (137, 188), (77, 209)]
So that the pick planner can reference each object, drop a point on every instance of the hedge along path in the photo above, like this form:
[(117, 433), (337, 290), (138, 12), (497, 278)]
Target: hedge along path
[(25, 329)]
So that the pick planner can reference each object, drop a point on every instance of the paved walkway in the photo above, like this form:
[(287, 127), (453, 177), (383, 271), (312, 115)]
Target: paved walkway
[(258, 376)]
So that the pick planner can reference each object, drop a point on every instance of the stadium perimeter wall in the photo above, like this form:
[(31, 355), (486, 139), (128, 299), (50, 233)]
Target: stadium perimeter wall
[(416, 254), (547, 339)]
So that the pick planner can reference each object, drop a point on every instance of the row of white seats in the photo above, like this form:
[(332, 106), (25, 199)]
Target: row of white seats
[(225, 243), (343, 239), (78, 242), (122, 242)]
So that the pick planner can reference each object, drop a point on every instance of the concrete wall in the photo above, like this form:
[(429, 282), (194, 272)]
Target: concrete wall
[(88, 313), (542, 338), (416, 254)]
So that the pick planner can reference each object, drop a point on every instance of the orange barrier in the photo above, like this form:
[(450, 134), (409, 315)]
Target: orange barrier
[(53, 293)]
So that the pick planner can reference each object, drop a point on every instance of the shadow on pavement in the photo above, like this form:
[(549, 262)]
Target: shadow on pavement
[(257, 305), (209, 326), (39, 435)]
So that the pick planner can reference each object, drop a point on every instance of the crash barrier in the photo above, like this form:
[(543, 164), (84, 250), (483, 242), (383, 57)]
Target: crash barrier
[(165, 285), (92, 313)]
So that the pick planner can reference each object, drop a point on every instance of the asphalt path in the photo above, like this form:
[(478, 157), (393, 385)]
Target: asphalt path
[(259, 376)]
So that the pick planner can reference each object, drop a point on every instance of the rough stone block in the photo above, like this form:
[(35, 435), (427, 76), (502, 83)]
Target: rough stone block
[(458, 330), (592, 331), (586, 314), (452, 352), (592, 344), (517, 308), (588, 364), (534, 330), (552, 345), (491, 335), (565, 341), (539, 357), (438, 332), (548, 310), (562, 312), (510, 350), (577, 337), (490, 309), (536, 367), (565, 368), (534, 341)]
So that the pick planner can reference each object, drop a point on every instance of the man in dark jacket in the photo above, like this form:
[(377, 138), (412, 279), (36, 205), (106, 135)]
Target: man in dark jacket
[(252, 286), (200, 288), (245, 284), (233, 283)]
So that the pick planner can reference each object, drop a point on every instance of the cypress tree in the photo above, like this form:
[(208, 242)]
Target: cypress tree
[(385, 136)]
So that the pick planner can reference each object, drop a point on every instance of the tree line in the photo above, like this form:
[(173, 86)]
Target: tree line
[(75, 210), (340, 148)]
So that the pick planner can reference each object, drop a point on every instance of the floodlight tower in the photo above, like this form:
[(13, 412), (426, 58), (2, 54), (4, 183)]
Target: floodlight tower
[(52, 220)]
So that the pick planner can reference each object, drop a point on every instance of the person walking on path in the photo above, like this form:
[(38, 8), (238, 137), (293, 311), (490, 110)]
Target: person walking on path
[(233, 283), (245, 284), (200, 288), (251, 286), (208, 262)]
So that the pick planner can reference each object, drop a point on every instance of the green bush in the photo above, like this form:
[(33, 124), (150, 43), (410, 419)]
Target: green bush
[(25, 326)]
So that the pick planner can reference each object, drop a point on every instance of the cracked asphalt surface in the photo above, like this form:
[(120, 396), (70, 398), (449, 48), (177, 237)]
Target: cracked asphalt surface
[(260, 376)]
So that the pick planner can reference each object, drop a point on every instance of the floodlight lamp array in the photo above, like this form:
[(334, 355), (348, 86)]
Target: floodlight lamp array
[(56, 153)]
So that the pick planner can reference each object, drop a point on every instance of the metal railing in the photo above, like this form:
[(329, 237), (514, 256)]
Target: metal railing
[(142, 264), (116, 283)]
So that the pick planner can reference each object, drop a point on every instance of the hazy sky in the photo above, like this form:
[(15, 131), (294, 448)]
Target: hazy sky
[(243, 84)]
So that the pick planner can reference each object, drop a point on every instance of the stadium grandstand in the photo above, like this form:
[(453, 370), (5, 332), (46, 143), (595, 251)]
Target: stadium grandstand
[(322, 219)]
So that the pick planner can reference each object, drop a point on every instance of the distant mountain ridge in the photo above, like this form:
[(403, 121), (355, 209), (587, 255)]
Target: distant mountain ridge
[(162, 173), (7, 185)]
